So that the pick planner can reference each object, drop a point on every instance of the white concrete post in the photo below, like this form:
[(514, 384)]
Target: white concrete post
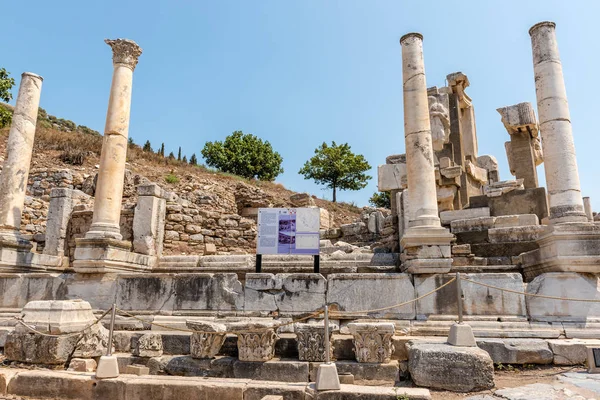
[(422, 194), (560, 162), (15, 170), (109, 189)]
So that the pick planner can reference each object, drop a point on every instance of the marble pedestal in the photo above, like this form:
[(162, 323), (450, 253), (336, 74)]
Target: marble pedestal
[(566, 247), (426, 250), (102, 255)]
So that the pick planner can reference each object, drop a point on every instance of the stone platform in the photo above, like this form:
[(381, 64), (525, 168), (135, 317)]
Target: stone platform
[(70, 385)]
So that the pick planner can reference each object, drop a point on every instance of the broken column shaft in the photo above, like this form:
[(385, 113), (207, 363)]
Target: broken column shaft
[(562, 177), (15, 171), (109, 189)]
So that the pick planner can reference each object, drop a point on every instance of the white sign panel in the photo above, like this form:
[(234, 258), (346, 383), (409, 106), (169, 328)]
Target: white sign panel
[(288, 231)]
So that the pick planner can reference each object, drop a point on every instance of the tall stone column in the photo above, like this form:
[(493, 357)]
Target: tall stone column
[(109, 189), (417, 135), (425, 244), (562, 176), (15, 171)]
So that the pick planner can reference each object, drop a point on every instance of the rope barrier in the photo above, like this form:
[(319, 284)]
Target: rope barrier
[(543, 296), (395, 305), (20, 321)]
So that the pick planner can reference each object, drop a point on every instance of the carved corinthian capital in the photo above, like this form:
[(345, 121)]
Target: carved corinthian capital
[(125, 52)]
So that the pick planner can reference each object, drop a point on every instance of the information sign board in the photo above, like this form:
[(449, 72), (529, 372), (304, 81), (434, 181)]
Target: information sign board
[(288, 231)]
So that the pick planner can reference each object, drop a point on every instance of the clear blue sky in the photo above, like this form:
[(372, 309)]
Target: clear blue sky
[(298, 73)]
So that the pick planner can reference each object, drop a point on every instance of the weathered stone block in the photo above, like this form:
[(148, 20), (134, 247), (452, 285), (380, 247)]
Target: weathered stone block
[(442, 366), (82, 365), (284, 292), (446, 217), (357, 293), (256, 340), (391, 177), (517, 351), (477, 299), (563, 284), (37, 349)]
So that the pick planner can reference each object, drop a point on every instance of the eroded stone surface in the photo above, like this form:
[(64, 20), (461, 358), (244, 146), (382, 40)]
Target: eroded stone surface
[(207, 342), (441, 366)]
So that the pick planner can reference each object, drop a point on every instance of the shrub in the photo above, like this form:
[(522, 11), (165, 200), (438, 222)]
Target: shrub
[(73, 156), (171, 178)]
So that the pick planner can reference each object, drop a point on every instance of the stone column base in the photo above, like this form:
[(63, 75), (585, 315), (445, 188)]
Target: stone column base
[(568, 247), (102, 255), (426, 250), (16, 256)]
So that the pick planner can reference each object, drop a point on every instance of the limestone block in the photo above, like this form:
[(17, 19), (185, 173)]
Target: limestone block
[(93, 342), (376, 222), (461, 249), (571, 351), (59, 213), (219, 291), (205, 344), (446, 217), (519, 117), (358, 292), (515, 234), (210, 248), (99, 290), (149, 221), (477, 299), (563, 284), (284, 292), (135, 369), (16, 290), (479, 174), (310, 339), (149, 345), (82, 365), (446, 367), (256, 340), (372, 341), (517, 351), (56, 316), (507, 221), (145, 292), (391, 177), (472, 224), (37, 349)]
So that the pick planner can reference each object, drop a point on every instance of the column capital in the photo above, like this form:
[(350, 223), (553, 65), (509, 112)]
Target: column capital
[(415, 35), (540, 24), (125, 52)]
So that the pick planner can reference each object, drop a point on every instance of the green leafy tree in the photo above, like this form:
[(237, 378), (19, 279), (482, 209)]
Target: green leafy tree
[(162, 150), (6, 84), (193, 159), (337, 167), (184, 160), (171, 156), (244, 155), (179, 154), (381, 199), (147, 147)]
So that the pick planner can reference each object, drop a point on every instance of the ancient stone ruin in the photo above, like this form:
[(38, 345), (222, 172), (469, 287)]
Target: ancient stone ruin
[(389, 279)]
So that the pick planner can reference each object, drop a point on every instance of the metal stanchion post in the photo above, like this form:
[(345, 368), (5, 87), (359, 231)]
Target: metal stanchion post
[(461, 334), (108, 366), (326, 338), (459, 298), (327, 375)]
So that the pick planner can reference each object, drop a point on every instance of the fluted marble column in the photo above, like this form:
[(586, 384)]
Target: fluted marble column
[(15, 171), (109, 189), (422, 194), (560, 162)]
